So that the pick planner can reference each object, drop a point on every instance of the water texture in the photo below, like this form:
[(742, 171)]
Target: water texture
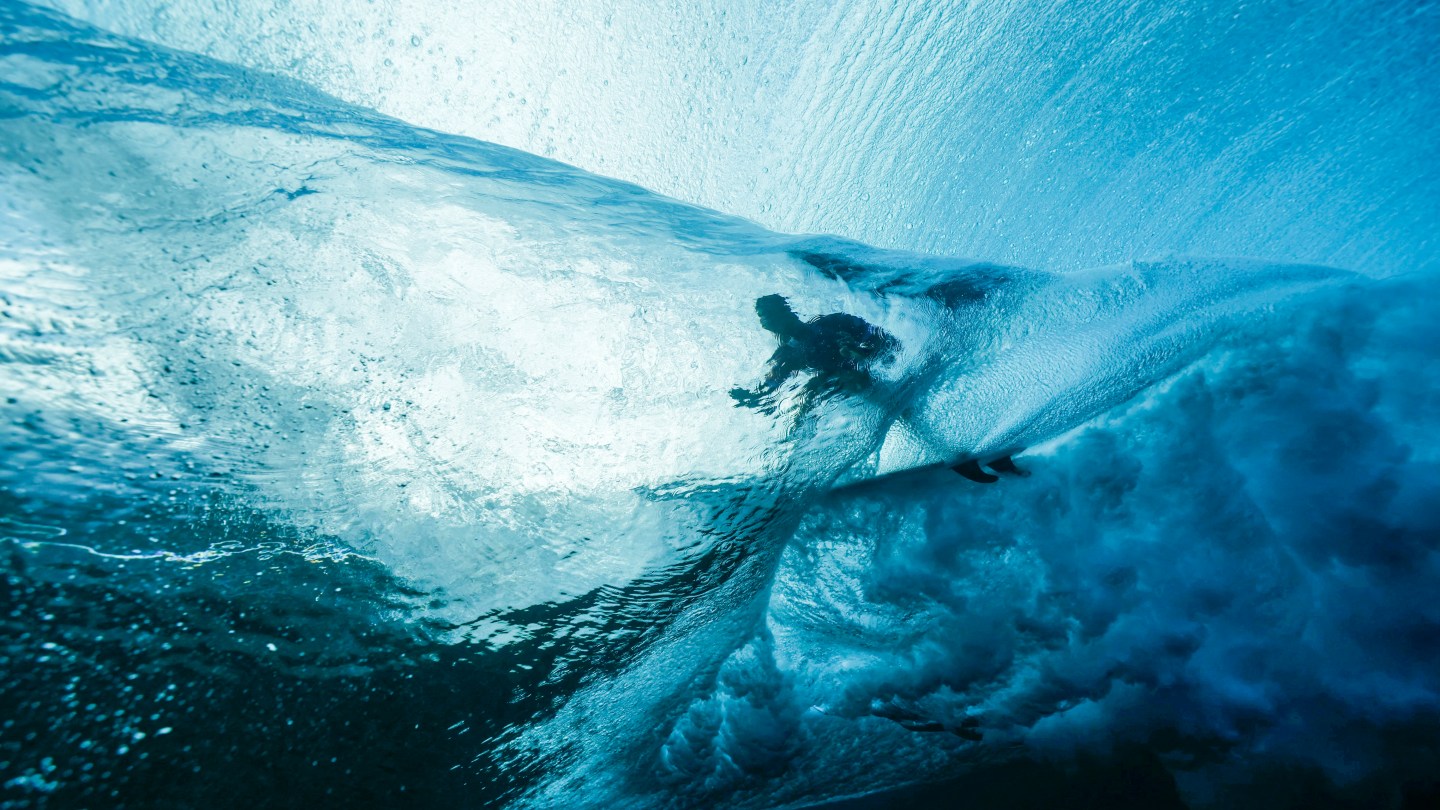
[(348, 460)]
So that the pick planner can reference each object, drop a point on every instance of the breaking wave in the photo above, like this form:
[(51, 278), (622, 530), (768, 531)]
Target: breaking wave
[(348, 460)]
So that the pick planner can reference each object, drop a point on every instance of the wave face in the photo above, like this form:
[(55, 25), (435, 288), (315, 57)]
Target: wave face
[(1020, 131), (353, 462)]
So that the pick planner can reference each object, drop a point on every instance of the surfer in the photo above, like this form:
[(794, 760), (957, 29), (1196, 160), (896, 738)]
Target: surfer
[(838, 349)]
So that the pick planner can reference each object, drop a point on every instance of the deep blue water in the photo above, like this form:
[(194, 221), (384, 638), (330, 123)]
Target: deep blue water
[(347, 460)]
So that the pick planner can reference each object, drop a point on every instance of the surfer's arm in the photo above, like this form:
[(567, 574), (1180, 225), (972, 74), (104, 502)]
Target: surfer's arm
[(782, 366)]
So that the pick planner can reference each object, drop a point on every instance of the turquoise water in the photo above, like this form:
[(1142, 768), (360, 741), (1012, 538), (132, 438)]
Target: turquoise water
[(352, 461)]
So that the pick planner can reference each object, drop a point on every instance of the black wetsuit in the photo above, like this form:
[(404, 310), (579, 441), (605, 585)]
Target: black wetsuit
[(838, 349)]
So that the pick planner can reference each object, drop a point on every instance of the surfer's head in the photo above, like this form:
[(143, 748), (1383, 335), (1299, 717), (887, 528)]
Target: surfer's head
[(777, 316)]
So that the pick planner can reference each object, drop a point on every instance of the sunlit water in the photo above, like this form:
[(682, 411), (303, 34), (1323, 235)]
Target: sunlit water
[(351, 461)]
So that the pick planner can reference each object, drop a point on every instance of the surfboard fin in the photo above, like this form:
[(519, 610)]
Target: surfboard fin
[(971, 470), (1006, 465)]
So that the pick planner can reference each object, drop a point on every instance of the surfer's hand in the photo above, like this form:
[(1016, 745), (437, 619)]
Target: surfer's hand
[(744, 397)]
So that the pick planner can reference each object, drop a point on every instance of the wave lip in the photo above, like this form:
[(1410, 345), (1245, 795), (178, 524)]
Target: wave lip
[(1028, 364)]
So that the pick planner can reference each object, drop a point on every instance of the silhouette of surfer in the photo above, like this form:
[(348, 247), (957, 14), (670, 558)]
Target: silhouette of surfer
[(839, 350)]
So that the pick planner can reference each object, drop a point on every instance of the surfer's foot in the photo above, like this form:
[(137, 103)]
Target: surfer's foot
[(971, 470), (1006, 465)]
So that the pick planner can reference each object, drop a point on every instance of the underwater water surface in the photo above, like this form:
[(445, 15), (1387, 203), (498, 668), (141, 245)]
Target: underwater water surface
[(358, 451)]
